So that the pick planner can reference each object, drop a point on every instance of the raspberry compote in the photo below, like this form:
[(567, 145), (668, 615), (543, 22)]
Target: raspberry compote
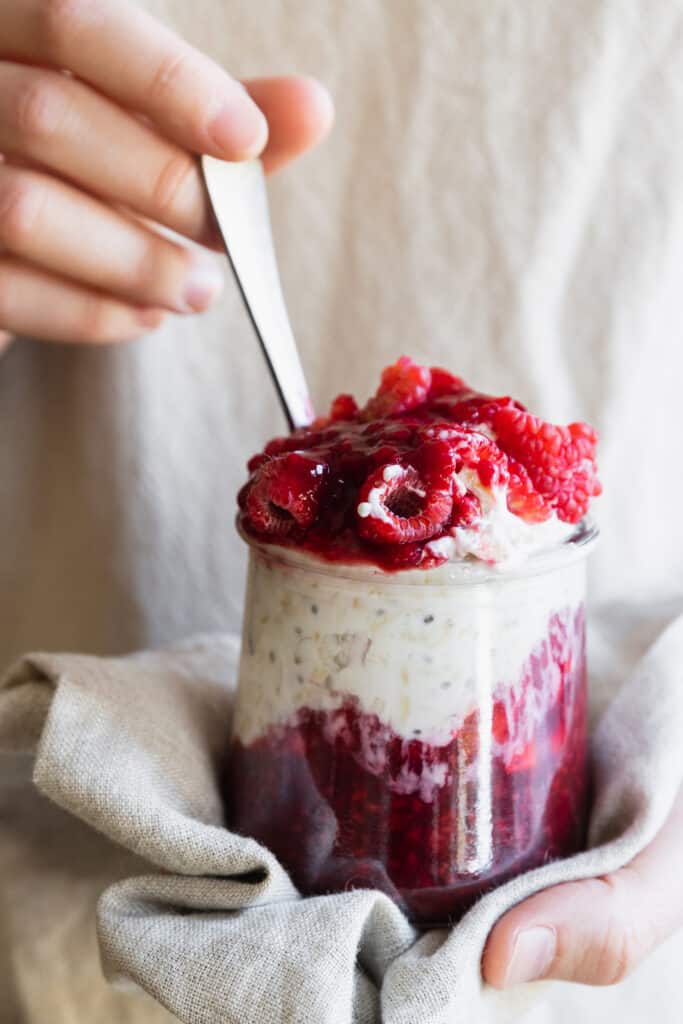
[(411, 705)]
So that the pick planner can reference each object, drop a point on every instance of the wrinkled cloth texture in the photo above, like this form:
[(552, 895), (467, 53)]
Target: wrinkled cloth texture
[(211, 926), (501, 195)]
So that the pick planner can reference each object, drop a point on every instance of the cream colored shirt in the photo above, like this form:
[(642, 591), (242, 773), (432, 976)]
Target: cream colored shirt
[(502, 195)]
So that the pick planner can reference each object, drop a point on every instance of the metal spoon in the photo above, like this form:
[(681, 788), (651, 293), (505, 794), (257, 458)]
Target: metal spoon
[(240, 202)]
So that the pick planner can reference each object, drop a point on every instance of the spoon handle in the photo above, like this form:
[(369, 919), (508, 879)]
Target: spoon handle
[(240, 202)]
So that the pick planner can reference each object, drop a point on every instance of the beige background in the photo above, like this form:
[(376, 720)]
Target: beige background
[(502, 194)]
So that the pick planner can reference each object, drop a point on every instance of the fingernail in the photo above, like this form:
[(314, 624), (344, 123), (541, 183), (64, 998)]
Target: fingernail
[(240, 130), (533, 953), (203, 285)]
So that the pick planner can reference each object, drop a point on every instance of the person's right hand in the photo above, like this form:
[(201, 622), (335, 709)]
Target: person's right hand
[(101, 112)]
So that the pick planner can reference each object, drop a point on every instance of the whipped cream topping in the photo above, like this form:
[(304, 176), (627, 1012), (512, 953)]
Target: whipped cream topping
[(500, 538)]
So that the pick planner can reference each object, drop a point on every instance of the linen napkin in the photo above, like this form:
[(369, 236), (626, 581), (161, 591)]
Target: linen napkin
[(215, 931)]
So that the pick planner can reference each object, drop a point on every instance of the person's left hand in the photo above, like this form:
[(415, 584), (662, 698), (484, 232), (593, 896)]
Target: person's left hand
[(594, 931)]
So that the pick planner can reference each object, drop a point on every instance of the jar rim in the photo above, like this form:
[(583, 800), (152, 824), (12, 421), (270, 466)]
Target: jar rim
[(466, 572)]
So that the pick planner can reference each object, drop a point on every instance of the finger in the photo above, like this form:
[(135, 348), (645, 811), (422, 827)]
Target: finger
[(300, 114), (5, 340), (41, 306), (593, 931), (50, 224), (137, 61), (62, 124)]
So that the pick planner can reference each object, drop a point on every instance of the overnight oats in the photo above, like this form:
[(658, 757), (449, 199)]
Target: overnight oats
[(411, 712)]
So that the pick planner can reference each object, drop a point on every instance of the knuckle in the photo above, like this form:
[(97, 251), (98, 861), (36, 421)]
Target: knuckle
[(170, 75), (158, 274), (97, 322), (40, 109), (20, 203), (146, 274), (622, 942), (616, 954), (60, 21), (173, 181)]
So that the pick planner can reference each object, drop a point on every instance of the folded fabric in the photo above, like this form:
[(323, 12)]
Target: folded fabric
[(216, 931)]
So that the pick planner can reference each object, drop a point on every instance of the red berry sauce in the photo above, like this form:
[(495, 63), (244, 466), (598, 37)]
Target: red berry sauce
[(401, 455), (338, 818)]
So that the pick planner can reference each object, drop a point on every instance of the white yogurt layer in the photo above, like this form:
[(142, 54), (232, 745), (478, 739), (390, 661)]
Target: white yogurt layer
[(417, 650)]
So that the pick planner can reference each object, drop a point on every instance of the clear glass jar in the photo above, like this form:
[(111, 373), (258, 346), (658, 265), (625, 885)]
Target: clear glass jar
[(420, 732)]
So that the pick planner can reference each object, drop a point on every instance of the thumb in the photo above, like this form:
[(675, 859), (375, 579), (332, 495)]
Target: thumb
[(594, 931)]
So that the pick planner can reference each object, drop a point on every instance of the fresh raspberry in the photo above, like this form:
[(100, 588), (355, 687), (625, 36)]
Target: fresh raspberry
[(320, 435), (560, 461), (523, 498), (344, 407), (255, 461), (471, 409), (398, 506), (471, 450), (284, 494), (447, 442), (437, 462), (444, 383), (403, 386), (467, 449)]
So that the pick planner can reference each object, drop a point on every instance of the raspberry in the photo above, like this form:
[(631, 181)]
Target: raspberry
[(444, 383), (560, 461), (471, 409), (292, 443), (523, 498), (344, 407), (446, 443), (396, 506), (403, 386), (467, 449), (472, 450), (284, 494), (255, 461), (437, 461)]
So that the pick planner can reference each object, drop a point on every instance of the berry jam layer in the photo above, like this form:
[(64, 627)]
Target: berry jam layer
[(428, 471), (345, 801)]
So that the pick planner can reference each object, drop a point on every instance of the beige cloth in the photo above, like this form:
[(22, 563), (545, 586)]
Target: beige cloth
[(210, 924), (501, 195)]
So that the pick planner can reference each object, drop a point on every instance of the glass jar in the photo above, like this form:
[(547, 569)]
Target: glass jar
[(418, 732)]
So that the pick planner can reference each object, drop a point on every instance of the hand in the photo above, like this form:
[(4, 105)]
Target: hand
[(84, 155), (595, 931)]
